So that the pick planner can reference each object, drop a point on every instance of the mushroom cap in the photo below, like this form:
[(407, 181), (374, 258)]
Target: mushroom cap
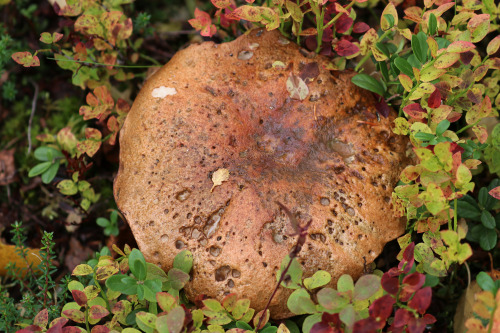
[(328, 158)]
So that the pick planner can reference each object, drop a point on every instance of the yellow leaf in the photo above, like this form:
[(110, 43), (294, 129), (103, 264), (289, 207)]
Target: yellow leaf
[(218, 177)]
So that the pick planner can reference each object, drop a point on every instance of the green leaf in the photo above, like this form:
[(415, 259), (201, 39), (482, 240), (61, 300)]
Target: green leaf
[(67, 187), (488, 240), (300, 302), (294, 271), (468, 210), (47, 154), (243, 325), (155, 272), (145, 320), (404, 66), (151, 287), (51, 172), (366, 287), (137, 264), (310, 321), (177, 278), (389, 19), (367, 82), (184, 261), (442, 127), (486, 282), (488, 220), (122, 283), (331, 300), (419, 46), (103, 222), (345, 283), (485, 199), (432, 24), (319, 279), (39, 169)]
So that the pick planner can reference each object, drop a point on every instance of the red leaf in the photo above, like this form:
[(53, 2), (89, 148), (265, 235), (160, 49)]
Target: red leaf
[(411, 283), (58, 325), (389, 283), (100, 329), (360, 27), (381, 308), (382, 108), (80, 297), (367, 325), (495, 193), (321, 327), (434, 100), (408, 258), (416, 325), (454, 116), (26, 59), (421, 300), (331, 318), (429, 319), (343, 24), (466, 57), (203, 23), (401, 317), (98, 312), (345, 48), (71, 329), (415, 111)]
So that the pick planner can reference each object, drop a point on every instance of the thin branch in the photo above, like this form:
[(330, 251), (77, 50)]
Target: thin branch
[(33, 108)]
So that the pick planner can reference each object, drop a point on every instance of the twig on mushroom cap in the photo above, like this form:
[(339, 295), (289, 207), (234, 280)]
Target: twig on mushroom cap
[(301, 231)]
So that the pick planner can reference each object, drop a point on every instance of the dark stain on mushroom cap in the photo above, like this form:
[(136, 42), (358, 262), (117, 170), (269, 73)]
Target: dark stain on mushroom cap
[(320, 157)]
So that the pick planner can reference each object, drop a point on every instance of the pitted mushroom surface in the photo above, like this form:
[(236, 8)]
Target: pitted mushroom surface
[(268, 123)]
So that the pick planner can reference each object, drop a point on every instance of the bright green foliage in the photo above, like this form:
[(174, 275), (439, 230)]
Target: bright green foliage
[(110, 226)]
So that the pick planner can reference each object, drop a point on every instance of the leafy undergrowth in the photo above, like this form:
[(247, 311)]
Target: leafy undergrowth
[(69, 73)]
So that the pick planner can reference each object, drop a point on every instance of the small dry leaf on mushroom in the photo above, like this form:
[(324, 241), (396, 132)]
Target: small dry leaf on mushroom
[(297, 87), (218, 177)]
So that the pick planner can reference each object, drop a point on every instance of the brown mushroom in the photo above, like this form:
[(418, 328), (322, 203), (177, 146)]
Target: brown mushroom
[(287, 130)]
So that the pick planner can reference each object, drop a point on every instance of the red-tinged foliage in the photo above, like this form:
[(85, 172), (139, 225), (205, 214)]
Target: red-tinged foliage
[(71, 329), (26, 59), (79, 297), (343, 24), (381, 308), (390, 283), (495, 193), (58, 326), (401, 317), (360, 27), (203, 23), (367, 325), (382, 107), (416, 325), (466, 57), (434, 100), (100, 329), (408, 258), (330, 323), (98, 312), (415, 111), (421, 300), (411, 283), (344, 48), (454, 116)]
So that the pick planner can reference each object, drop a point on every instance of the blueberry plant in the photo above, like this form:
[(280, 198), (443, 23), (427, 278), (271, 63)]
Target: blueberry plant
[(435, 62)]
